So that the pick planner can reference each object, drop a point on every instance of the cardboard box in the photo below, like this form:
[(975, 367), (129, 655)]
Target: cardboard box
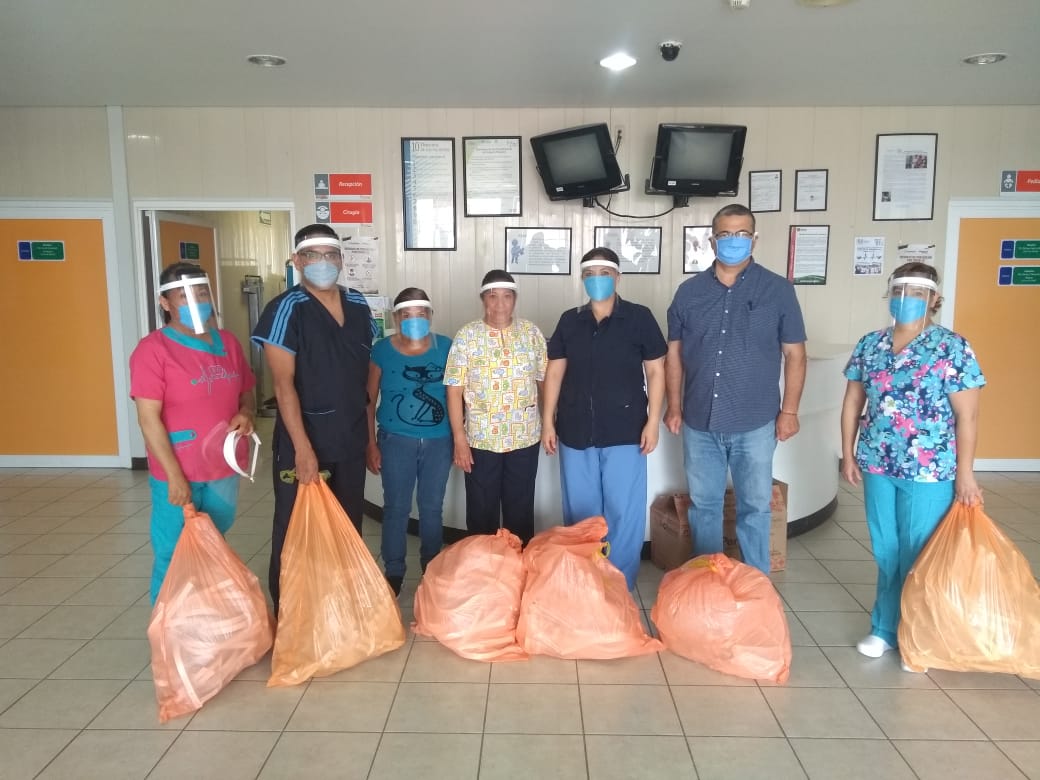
[(671, 544)]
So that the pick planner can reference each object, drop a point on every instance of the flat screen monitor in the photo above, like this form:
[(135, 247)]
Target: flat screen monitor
[(578, 162), (698, 159)]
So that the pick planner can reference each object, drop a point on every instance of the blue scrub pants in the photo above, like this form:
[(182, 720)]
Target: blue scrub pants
[(748, 456), (901, 516), (218, 498), (610, 482)]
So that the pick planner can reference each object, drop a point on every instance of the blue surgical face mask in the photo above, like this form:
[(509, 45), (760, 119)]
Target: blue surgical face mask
[(599, 288), (321, 274), (733, 250), (907, 310), (205, 311), (415, 328)]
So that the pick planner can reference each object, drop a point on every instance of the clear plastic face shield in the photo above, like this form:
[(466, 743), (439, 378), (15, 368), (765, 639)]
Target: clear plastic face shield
[(191, 302), (413, 318), (909, 300), (320, 260), (597, 279)]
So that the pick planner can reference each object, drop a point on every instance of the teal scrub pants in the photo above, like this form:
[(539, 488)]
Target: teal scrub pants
[(217, 498), (901, 516)]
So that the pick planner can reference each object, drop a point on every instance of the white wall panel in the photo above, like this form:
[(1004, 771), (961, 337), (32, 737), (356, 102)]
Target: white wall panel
[(272, 153)]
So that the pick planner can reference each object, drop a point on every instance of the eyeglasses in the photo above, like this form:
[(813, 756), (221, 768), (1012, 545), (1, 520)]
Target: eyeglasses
[(311, 256), (738, 234)]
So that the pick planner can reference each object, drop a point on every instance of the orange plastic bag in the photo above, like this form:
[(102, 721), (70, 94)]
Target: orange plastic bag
[(970, 603), (469, 597), (336, 608), (726, 615), (210, 620), (576, 603)]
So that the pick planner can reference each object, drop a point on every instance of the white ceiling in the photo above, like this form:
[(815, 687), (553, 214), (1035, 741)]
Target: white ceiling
[(491, 53)]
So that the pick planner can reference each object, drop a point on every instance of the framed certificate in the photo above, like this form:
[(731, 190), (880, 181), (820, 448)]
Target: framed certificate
[(491, 179), (764, 188), (807, 247), (538, 250), (428, 187), (810, 190), (697, 252), (904, 176), (638, 248)]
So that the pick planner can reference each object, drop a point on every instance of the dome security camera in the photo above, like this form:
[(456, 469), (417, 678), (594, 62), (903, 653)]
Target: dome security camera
[(670, 50)]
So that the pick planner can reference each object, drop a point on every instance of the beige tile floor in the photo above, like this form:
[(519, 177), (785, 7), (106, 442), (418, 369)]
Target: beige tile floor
[(76, 698)]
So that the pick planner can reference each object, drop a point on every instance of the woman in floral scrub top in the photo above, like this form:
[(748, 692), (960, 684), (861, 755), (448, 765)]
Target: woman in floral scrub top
[(913, 445)]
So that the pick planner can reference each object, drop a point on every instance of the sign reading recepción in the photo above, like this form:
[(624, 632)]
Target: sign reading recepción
[(42, 251), (342, 185), (1019, 276)]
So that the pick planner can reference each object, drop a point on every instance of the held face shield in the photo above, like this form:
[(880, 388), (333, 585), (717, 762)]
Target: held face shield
[(908, 298), (191, 301)]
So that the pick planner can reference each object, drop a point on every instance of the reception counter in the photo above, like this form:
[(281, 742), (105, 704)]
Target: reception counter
[(808, 463)]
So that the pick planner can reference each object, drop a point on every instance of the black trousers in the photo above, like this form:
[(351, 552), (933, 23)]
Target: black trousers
[(500, 491), (347, 482)]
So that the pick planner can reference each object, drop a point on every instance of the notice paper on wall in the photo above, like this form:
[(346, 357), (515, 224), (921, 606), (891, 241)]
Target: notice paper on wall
[(868, 256), (361, 263), (917, 253)]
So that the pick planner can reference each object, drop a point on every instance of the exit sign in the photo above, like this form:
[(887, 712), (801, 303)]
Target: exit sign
[(45, 251)]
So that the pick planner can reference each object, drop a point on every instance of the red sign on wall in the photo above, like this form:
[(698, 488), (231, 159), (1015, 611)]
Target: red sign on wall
[(353, 212), (1028, 181), (346, 184)]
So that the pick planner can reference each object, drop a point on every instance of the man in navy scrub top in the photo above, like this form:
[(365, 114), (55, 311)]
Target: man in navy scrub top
[(317, 337)]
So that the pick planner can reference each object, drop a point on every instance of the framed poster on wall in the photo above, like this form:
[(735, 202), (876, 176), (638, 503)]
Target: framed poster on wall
[(538, 250), (638, 248), (491, 181), (428, 189)]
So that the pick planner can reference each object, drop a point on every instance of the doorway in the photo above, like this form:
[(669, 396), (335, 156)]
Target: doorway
[(243, 246)]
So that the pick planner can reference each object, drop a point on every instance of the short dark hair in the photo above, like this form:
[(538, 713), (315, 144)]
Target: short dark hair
[(603, 253), (178, 271), (311, 231), (733, 210), (411, 294), (497, 275)]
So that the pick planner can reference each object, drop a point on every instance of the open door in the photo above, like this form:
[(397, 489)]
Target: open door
[(173, 238)]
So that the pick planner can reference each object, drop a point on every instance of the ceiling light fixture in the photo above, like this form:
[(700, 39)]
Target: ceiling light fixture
[(985, 59), (618, 61), (822, 3), (266, 60)]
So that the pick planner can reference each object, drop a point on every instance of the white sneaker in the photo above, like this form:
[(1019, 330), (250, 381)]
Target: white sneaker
[(873, 646)]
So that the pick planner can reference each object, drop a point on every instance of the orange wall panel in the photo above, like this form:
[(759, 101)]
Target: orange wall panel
[(58, 392), (1001, 323)]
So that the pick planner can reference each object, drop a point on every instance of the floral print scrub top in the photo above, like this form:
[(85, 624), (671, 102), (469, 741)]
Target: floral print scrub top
[(907, 431)]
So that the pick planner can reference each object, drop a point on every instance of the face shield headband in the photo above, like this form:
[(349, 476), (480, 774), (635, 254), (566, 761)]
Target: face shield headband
[(498, 286), (597, 262), (904, 305), (307, 243), (197, 311)]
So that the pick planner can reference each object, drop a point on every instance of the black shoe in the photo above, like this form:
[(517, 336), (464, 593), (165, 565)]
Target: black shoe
[(395, 584)]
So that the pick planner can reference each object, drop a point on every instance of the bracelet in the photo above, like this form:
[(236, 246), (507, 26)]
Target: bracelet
[(784, 412)]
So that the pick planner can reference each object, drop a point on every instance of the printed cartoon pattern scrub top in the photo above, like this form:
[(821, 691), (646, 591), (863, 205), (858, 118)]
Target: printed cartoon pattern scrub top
[(908, 431), (498, 371)]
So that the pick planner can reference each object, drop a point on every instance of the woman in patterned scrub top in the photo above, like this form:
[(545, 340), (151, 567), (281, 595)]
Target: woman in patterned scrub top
[(494, 378), (913, 445)]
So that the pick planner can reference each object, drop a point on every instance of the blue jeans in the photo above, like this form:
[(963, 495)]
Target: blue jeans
[(901, 517), (611, 482), (407, 460), (748, 457), (218, 498)]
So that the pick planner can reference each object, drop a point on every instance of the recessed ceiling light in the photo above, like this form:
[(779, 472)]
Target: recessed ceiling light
[(618, 61), (985, 59), (266, 60)]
